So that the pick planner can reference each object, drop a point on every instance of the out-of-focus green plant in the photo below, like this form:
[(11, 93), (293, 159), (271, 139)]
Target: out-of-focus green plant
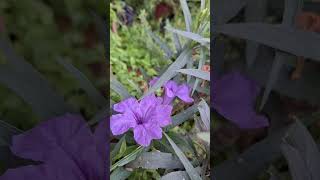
[(34, 29), (130, 52)]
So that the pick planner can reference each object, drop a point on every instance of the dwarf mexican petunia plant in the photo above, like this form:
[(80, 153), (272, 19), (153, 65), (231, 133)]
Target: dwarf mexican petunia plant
[(167, 125)]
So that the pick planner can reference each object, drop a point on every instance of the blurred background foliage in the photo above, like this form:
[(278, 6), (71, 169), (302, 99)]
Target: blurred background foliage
[(43, 30), (134, 56)]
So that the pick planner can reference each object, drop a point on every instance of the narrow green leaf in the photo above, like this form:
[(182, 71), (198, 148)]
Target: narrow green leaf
[(193, 174), (196, 73), (205, 136), (116, 86), (273, 76), (178, 175), (6, 133), (255, 12), (117, 147), (146, 77), (189, 66), (291, 9), (183, 116), (128, 158), (185, 143), (305, 89), (177, 42), (296, 163), (201, 63), (103, 113), (156, 160), (225, 10), (166, 49), (179, 63), (205, 114), (299, 147), (84, 83), (120, 174), (288, 39), (196, 37), (202, 5), (176, 39), (121, 151), (135, 86), (187, 14)]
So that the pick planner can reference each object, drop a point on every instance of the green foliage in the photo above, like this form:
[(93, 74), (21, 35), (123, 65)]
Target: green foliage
[(130, 51), (37, 37)]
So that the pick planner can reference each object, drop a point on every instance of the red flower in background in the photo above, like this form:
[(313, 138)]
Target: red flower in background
[(163, 10), (307, 21)]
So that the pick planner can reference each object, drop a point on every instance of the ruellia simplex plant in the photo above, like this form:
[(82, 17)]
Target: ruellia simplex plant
[(149, 138)]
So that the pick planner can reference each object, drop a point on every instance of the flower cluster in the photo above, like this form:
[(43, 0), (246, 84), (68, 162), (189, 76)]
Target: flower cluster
[(172, 90), (148, 116)]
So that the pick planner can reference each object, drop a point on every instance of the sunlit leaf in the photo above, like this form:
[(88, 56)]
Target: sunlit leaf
[(196, 73), (291, 40), (119, 88), (128, 158), (196, 37), (120, 174), (156, 160), (187, 15), (205, 114)]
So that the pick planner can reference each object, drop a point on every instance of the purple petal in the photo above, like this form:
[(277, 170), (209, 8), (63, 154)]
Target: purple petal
[(58, 141), (159, 100), (126, 105), (234, 98), (40, 142), (100, 135), (167, 100), (59, 168), (184, 93), (121, 123), (148, 102), (162, 115), (170, 88), (143, 134)]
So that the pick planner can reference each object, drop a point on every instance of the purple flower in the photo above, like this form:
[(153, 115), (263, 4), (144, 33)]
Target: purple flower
[(172, 90), (145, 118), (234, 98), (67, 149), (127, 16)]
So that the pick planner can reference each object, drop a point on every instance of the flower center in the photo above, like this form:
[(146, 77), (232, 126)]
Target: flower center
[(139, 120)]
